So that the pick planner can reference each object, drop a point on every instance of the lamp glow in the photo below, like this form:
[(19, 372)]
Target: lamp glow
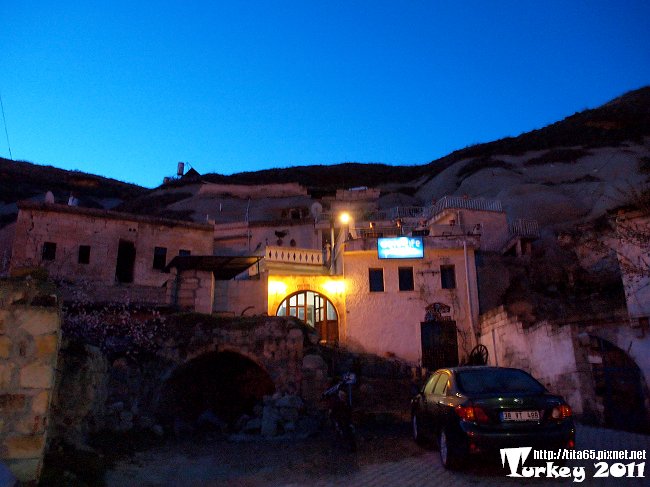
[(334, 287), (277, 287)]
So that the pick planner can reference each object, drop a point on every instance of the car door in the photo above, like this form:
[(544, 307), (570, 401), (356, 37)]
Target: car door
[(438, 404), (427, 399)]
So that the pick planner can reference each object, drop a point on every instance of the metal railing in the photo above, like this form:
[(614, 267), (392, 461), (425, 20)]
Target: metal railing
[(524, 228), (461, 202)]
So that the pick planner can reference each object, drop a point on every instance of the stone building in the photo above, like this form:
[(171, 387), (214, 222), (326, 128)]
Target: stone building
[(107, 250), (354, 280)]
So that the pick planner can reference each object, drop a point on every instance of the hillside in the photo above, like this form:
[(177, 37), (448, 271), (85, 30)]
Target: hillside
[(568, 172), (564, 174), (624, 119), (21, 180)]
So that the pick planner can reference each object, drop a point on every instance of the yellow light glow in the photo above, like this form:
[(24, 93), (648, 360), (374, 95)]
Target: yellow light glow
[(344, 218), (334, 287), (277, 287)]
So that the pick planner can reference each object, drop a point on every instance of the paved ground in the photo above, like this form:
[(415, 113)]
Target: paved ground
[(384, 458)]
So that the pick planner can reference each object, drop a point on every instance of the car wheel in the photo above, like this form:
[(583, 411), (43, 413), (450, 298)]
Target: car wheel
[(449, 454)]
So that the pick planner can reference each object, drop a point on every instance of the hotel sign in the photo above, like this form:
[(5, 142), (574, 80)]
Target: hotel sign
[(400, 248)]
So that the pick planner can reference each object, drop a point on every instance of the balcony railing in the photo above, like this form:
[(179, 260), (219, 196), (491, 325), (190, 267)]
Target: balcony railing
[(460, 202), (293, 255), (524, 228)]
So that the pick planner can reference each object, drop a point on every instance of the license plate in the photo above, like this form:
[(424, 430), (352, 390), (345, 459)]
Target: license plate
[(520, 416)]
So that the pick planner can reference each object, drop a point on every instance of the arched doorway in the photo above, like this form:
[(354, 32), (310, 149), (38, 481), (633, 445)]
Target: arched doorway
[(222, 384), (315, 310), (618, 380)]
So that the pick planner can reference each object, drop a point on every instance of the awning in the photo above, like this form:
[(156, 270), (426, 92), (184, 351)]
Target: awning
[(223, 267)]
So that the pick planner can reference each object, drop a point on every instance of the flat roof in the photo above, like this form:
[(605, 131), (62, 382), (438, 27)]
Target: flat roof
[(111, 215)]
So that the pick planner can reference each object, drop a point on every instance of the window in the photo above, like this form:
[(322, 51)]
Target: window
[(184, 253), (159, 258), (428, 389), (405, 278), (84, 254), (448, 276), (49, 251), (441, 385), (376, 279)]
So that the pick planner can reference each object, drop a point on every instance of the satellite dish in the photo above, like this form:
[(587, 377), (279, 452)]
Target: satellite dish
[(316, 210)]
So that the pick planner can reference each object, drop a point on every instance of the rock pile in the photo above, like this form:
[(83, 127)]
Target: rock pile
[(280, 416)]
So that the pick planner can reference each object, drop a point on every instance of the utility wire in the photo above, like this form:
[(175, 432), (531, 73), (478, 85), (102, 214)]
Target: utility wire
[(4, 120)]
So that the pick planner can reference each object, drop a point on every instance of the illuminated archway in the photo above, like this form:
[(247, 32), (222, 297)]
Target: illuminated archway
[(314, 309)]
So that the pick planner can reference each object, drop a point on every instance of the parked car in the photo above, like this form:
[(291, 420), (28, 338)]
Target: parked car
[(476, 410)]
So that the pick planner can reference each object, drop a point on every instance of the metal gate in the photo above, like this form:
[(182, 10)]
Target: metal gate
[(439, 344)]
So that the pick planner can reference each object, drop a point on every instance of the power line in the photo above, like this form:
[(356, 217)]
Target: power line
[(4, 120)]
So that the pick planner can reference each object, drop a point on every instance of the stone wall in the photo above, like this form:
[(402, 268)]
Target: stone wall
[(544, 350), (390, 321), (67, 228), (192, 290), (29, 343), (241, 298), (120, 390)]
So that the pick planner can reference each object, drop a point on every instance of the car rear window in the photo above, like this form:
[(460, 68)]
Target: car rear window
[(483, 381)]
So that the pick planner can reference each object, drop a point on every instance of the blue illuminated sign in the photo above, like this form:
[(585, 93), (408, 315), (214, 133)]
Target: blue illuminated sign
[(400, 248)]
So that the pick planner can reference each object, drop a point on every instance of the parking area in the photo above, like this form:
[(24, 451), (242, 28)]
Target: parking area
[(386, 457)]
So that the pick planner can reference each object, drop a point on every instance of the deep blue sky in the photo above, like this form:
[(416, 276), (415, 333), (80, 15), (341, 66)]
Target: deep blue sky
[(127, 89)]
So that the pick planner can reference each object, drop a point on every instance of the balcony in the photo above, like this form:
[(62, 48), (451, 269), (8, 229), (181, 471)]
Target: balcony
[(292, 255), (462, 203)]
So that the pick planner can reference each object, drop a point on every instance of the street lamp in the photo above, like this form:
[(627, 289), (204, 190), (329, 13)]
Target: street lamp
[(344, 217)]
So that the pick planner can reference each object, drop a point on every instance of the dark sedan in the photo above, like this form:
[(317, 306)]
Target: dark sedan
[(478, 410)]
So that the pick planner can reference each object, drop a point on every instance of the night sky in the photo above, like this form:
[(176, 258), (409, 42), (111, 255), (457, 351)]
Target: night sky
[(128, 89)]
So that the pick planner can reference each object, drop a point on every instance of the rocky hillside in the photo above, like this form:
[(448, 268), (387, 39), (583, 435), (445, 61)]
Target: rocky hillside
[(566, 173), (21, 180)]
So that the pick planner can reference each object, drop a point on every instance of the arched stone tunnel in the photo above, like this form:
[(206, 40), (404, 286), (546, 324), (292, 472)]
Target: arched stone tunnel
[(223, 385)]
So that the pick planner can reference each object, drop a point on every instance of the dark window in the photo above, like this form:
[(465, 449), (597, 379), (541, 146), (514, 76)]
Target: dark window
[(405, 278), (159, 258), (84, 254), (49, 251), (448, 276), (184, 253), (376, 278)]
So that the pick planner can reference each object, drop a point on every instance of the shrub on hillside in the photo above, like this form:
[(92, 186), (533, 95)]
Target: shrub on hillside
[(565, 156)]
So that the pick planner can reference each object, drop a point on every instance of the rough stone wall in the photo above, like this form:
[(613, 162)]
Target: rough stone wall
[(82, 291), (240, 298), (70, 227), (545, 350), (99, 390), (29, 343), (192, 290)]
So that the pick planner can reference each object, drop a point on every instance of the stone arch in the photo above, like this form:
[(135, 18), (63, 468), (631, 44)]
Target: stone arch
[(619, 385), (315, 309), (216, 387)]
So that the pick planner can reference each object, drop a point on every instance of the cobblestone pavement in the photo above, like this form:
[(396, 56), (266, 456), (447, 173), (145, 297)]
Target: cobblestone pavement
[(388, 459)]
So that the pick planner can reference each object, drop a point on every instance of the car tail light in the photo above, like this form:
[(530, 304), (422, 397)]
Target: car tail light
[(561, 412), (475, 414)]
